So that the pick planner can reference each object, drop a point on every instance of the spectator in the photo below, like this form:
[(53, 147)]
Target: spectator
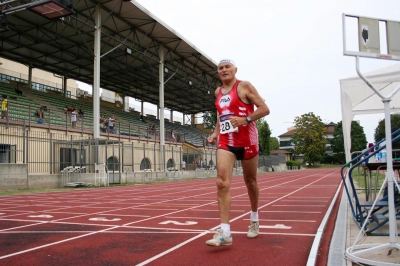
[(17, 90), (194, 165), (73, 118), (111, 122), (81, 113), (103, 123), (40, 114), (152, 129), (173, 132), (66, 109), (4, 107), (183, 165)]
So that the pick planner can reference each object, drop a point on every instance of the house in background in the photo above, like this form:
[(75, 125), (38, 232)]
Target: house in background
[(288, 154), (285, 140)]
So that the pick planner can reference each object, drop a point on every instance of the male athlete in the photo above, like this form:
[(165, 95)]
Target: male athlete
[(238, 140)]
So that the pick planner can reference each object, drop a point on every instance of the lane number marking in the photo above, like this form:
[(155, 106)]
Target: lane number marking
[(104, 219), (178, 223), (277, 226)]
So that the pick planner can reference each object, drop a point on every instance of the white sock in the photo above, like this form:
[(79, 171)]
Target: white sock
[(254, 216), (226, 228)]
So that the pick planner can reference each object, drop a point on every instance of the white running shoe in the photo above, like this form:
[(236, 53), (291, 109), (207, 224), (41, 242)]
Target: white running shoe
[(254, 229), (220, 239)]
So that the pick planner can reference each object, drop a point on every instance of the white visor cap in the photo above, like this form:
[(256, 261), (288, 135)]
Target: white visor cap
[(227, 61)]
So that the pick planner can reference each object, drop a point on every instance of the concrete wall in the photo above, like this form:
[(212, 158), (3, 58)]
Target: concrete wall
[(16, 177), (44, 181)]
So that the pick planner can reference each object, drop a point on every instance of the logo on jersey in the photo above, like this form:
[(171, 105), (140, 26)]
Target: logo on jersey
[(225, 117), (225, 101)]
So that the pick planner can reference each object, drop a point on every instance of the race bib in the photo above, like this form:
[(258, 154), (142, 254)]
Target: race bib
[(225, 125)]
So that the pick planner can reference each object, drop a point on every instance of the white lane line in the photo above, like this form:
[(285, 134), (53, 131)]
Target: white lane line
[(307, 197), (153, 232), (196, 210), (299, 205), (281, 220), (200, 235), (292, 211), (161, 254), (188, 217), (73, 238), (297, 200), (153, 209)]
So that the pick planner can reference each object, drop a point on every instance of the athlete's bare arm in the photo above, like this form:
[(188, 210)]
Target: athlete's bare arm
[(214, 136), (249, 94)]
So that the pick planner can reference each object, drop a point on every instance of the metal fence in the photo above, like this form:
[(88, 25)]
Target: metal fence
[(49, 153)]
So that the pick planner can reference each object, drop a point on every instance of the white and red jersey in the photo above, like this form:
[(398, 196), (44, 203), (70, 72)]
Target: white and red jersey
[(228, 105)]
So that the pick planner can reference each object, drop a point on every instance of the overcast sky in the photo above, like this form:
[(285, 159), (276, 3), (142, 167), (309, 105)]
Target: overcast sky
[(291, 51)]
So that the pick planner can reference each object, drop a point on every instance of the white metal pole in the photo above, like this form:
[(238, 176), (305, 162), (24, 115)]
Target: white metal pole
[(161, 103), (96, 74), (390, 174)]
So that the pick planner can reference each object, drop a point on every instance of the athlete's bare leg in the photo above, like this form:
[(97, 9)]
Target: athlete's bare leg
[(225, 163), (250, 178)]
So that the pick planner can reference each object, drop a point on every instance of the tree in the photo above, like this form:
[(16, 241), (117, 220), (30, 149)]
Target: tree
[(357, 136), (264, 134), (309, 137), (210, 119), (274, 143), (380, 129)]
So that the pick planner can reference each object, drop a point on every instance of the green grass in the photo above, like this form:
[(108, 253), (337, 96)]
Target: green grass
[(321, 166), (31, 191), (360, 182)]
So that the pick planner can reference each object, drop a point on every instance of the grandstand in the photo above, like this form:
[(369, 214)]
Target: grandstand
[(140, 58)]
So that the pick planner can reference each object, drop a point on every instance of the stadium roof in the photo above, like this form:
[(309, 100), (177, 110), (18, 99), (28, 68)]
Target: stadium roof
[(131, 37)]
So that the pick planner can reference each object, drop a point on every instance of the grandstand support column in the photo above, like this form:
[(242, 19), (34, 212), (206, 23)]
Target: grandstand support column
[(161, 103), (183, 118), (30, 75), (65, 79), (171, 116), (96, 74), (141, 108)]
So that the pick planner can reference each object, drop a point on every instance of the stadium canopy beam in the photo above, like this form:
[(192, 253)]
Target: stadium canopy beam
[(67, 46)]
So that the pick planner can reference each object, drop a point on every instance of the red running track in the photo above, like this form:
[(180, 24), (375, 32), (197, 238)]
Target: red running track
[(166, 223)]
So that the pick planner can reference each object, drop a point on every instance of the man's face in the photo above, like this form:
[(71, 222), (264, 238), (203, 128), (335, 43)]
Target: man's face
[(226, 71)]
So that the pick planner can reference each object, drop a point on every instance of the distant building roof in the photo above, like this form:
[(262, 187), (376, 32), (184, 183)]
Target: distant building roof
[(329, 128), (281, 152), (288, 134)]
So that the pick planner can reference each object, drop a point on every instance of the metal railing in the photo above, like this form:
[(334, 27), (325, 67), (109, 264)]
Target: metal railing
[(27, 115), (50, 153)]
